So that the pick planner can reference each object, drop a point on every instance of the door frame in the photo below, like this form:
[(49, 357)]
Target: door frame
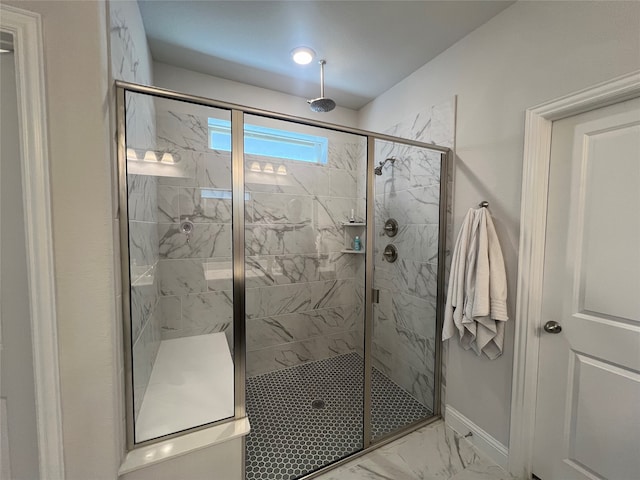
[(533, 220), (26, 28)]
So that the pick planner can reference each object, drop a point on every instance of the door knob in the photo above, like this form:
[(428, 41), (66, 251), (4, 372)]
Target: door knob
[(552, 327)]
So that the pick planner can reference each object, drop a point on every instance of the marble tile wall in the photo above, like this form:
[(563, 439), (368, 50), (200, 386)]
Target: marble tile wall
[(408, 191), (195, 270), (304, 298), (300, 300), (131, 61)]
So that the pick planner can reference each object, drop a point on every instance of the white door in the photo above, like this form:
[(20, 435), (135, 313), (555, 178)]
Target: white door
[(588, 404)]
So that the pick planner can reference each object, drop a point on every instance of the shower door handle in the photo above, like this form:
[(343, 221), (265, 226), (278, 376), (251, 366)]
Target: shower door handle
[(375, 295)]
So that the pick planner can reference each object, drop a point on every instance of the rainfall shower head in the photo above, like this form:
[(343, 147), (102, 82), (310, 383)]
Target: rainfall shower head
[(378, 169), (322, 103)]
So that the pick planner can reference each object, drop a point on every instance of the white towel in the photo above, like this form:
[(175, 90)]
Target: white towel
[(454, 308), (476, 302)]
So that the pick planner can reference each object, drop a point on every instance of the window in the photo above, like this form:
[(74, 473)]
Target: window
[(270, 142)]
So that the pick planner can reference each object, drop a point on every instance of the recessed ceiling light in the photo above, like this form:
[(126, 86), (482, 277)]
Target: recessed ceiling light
[(302, 55)]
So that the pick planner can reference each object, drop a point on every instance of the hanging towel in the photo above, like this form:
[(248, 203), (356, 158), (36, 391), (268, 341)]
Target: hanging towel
[(454, 308), (476, 301)]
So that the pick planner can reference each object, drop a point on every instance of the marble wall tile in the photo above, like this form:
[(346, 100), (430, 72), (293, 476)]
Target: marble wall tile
[(218, 273), (180, 131), (143, 241), (347, 154), (142, 193), (213, 169), (268, 270), (417, 382), (269, 239), (415, 314), (296, 353), (210, 169), (252, 302), (411, 348), (208, 240), (419, 279), (301, 297), (344, 265), (293, 259), (204, 205), (145, 350), (193, 330), (343, 183), (144, 297), (182, 276), (168, 206), (131, 61), (414, 242), (130, 58), (206, 310), (280, 208), (409, 191), (443, 117), (414, 278), (333, 211), (140, 122), (382, 359), (171, 314), (416, 206), (412, 168), (270, 331), (280, 300), (300, 179), (327, 238), (276, 358)]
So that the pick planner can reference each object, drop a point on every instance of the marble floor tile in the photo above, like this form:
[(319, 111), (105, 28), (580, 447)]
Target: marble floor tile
[(433, 452)]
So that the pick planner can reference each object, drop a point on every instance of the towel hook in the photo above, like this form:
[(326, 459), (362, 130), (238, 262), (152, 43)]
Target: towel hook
[(484, 204)]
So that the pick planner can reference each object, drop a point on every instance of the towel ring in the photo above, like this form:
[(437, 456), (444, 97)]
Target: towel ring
[(484, 204)]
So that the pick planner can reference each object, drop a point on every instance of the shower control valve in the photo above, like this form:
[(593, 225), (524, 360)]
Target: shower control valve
[(186, 227), (390, 253)]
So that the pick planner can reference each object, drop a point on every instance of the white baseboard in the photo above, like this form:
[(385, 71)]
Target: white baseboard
[(480, 439)]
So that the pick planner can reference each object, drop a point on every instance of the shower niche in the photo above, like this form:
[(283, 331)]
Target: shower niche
[(351, 231), (245, 294)]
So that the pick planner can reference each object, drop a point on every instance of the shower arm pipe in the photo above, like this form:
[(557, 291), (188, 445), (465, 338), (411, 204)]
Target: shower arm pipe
[(173, 95), (384, 162), (322, 62)]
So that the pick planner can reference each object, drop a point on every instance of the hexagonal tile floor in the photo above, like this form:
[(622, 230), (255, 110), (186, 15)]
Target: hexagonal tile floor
[(305, 417)]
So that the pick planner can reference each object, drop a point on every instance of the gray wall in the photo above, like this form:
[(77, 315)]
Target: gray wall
[(17, 387), (77, 99), (529, 53)]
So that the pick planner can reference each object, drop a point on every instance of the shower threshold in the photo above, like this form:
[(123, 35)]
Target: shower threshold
[(290, 437)]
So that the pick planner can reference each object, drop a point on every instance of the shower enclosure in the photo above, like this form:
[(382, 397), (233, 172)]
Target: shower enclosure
[(279, 268)]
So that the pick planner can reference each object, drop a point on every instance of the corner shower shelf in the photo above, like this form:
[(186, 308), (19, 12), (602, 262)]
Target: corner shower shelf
[(349, 236)]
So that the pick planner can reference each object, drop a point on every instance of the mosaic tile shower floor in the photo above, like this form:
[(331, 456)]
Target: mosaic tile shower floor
[(290, 438)]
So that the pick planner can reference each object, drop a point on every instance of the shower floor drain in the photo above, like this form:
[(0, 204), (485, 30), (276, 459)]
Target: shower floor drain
[(318, 404)]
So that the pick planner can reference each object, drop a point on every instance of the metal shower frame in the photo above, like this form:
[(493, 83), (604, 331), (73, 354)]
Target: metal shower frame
[(238, 254)]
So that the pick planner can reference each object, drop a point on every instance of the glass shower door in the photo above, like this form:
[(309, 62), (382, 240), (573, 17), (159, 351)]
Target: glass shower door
[(406, 240), (178, 268), (304, 296)]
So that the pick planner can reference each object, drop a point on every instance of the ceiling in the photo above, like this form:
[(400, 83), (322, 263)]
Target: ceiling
[(369, 46)]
